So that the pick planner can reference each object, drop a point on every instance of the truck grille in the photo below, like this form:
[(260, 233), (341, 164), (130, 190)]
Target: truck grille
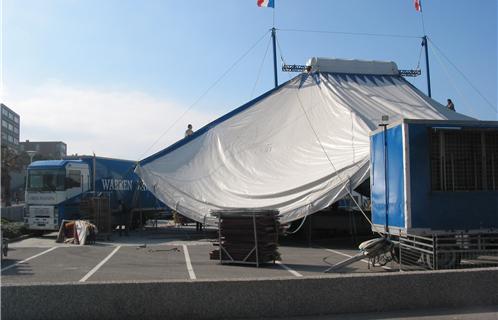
[(41, 212)]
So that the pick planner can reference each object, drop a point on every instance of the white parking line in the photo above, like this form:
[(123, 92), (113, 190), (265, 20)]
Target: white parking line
[(26, 260), (191, 272), (295, 273), (349, 256), (97, 267)]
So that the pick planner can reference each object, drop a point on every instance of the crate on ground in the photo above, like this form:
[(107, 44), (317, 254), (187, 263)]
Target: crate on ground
[(247, 236)]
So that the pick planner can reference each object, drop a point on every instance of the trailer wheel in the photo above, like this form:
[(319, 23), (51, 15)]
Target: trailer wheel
[(445, 260), (409, 257)]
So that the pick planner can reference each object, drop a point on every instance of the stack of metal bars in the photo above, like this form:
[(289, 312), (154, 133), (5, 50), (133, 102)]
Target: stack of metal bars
[(247, 236)]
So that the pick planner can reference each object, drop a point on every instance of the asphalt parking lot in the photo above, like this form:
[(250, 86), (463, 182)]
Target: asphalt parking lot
[(161, 254)]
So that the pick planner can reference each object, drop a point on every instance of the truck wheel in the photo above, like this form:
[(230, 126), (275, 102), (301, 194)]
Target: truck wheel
[(38, 233), (445, 260)]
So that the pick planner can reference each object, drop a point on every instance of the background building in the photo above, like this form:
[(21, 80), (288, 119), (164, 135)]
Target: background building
[(10, 128), (12, 164), (45, 149), (14, 158)]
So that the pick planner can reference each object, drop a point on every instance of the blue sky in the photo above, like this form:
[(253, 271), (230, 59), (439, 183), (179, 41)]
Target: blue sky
[(112, 76)]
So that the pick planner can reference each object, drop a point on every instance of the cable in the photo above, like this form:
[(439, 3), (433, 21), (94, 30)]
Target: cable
[(495, 110), (205, 92), (281, 52), (298, 228), (331, 163), (352, 33), (419, 57), (450, 80), (260, 69), (282, 58)]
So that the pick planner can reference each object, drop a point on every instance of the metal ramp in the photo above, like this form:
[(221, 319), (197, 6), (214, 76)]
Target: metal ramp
[(374, 249)]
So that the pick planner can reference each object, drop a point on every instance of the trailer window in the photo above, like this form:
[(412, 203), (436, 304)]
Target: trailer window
[(464, 160), (74, 179), (46, 180)]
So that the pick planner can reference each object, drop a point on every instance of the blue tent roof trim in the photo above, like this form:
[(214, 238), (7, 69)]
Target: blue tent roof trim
[(390, 79), (371, 78), (361, 77), (343, 77)]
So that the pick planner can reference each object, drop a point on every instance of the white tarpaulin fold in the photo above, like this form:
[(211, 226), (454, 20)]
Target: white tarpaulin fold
[(298, 148)]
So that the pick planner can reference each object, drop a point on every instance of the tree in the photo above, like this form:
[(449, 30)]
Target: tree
[(11, 161)]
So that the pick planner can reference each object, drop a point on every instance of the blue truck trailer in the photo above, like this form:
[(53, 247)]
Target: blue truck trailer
[(55, 190), (434, 188)]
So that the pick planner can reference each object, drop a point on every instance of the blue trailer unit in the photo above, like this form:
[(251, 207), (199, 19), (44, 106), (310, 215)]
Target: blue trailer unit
[(117, 176), (435, 177)]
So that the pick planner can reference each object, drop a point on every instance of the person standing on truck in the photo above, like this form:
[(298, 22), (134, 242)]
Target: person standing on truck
[(189, 131)]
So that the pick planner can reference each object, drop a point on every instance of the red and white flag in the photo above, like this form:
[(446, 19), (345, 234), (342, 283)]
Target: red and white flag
[(418, 5)]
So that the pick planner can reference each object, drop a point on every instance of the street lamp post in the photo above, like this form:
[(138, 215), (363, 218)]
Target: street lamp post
[(31, 154), (384, 124)]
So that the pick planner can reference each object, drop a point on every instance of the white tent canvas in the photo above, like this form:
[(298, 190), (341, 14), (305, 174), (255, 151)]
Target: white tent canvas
[(298, 148)]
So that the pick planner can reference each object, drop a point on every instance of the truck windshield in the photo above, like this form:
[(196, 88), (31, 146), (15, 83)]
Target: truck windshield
[(46, 180)]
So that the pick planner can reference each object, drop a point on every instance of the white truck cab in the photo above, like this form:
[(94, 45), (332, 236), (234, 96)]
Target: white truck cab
[(50, 183)]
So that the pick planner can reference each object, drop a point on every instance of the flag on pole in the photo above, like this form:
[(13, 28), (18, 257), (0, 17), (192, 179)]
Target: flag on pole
[(418, 5), (266, 3)]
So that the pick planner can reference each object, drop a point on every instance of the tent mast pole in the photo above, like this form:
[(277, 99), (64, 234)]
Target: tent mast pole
[(273, 37), (425, 44)]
